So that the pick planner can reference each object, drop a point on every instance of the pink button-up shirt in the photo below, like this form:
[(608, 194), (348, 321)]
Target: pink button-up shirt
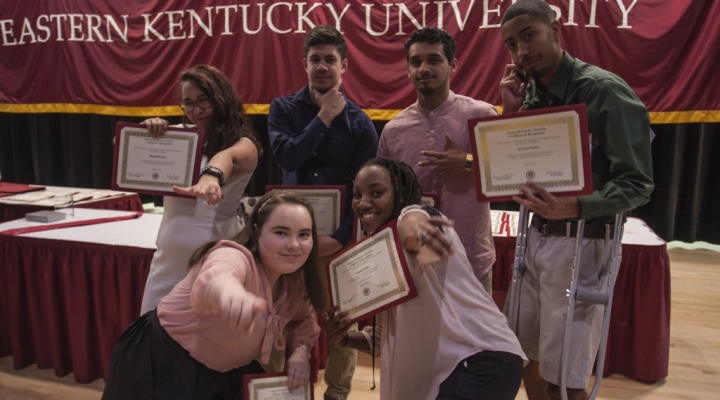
[(416, 129), (188, 320)]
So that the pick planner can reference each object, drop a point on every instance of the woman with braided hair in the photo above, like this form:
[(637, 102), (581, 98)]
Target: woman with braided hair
[(450, 342)]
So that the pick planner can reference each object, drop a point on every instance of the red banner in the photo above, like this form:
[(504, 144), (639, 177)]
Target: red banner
[(123, 58)]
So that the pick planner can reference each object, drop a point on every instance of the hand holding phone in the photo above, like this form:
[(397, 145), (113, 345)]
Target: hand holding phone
[(512, 88), (521, 73)]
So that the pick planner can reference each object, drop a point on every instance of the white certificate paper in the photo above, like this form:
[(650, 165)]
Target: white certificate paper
[(546, 148), (275, 388), (326, 201), (370, 276), (155, 165)]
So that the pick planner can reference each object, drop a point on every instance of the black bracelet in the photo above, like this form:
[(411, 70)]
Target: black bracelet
[(345, 339), (216, 172)]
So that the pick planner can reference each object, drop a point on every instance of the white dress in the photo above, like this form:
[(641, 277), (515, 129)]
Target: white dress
[(186, 225)]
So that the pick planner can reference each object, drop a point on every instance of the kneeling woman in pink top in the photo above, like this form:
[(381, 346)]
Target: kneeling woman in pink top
[(450, 342), (231, 308)]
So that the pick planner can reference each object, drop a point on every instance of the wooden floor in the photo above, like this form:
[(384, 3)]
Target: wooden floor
[(694, 349)]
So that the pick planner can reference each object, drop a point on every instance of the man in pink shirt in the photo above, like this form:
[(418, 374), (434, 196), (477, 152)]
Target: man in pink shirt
[(432, 137)]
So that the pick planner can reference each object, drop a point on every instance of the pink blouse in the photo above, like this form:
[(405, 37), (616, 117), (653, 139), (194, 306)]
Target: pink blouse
[(188, 320)]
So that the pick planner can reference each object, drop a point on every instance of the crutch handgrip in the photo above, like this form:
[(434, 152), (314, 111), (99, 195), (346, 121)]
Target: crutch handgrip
[(591, 297)]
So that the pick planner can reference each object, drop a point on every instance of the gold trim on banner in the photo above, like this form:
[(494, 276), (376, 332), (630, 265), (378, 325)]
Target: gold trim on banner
[(675, 117), (659, 117)]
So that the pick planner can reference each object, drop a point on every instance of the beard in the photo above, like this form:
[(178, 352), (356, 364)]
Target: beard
[(428, 90)]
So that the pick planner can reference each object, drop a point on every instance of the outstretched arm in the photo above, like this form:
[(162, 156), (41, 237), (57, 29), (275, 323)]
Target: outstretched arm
[(237, 160)]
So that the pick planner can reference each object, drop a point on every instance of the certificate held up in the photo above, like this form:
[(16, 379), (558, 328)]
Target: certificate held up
[(549, 147), (148, 165), (370, 276)]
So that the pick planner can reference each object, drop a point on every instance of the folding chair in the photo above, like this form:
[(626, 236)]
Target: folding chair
[(574, 294)]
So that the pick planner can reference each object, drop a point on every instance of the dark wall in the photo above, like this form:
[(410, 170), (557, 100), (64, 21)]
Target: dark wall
[(76, 150)]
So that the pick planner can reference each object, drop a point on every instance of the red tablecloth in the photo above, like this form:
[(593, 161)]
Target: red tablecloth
[(63, 304), (126, 202)]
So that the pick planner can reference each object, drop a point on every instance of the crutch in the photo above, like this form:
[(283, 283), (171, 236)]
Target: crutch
[(574, 294), (512, 306)]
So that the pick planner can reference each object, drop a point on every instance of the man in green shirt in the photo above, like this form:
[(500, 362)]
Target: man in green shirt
[(543, 75)]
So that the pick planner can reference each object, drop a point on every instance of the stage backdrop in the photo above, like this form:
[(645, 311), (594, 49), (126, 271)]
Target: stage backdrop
[(123, 57)]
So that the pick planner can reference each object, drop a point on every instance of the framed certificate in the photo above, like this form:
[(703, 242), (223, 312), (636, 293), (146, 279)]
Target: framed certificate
[(328, 203), (548, 146), (147, 165), (371, 275), (273, 386)]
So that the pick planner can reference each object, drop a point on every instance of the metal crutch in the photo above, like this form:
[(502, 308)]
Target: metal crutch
[(575, 294), (512, 305)]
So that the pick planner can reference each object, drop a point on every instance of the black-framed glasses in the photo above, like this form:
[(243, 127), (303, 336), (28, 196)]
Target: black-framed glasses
[(202, 104)]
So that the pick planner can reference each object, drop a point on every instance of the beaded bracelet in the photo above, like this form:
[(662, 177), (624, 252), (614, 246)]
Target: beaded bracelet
[(216, 172)]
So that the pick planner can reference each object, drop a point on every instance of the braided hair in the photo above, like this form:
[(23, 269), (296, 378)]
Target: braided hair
[(406, 189)]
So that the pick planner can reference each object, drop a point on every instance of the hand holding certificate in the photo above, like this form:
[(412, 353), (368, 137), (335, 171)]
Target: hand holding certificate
[(274, 387), (150, 165), (549, 147), (371, 275)]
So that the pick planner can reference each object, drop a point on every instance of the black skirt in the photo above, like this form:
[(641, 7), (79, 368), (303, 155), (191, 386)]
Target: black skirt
[(148, 364)]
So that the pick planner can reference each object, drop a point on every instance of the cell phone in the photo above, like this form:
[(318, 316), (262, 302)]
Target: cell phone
[(522, 74)]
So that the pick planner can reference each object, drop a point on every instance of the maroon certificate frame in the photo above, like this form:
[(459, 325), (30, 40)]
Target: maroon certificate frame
[(324, 225), (194, 163), (303, 188), (247, 378), (585, 161), (355, 249)]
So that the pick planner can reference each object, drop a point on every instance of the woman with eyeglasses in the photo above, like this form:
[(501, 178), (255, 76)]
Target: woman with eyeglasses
[(230, 154)]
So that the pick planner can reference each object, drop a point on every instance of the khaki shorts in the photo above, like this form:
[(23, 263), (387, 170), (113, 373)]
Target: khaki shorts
[(543, 305)]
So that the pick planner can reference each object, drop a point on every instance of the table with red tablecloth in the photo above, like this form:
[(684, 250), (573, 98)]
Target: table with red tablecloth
[(111, 200), (66, 295)]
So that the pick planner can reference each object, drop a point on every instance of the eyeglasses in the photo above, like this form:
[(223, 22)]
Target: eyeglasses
[(189, 106)]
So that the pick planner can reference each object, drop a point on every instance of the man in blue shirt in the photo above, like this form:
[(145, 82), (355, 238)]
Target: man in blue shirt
[(320, 137)]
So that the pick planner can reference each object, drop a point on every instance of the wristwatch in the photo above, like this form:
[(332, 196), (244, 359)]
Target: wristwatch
[(468, 162)]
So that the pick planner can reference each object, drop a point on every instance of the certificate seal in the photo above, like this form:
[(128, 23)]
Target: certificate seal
[(155, 175), (530, 174), (366, 291)]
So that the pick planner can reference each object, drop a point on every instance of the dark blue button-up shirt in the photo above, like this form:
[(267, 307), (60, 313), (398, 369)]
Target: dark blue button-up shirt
[(311, 153)]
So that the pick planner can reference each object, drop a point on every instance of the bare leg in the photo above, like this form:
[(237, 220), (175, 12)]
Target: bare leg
[(572, 394), (535, 386)]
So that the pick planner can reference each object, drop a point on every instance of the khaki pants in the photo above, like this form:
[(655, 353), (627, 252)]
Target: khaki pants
[(340, 370), (486, 281)]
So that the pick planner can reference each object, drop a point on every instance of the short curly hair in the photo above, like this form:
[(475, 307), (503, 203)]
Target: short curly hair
[(325, 34), (432, 35), (537, 9)]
